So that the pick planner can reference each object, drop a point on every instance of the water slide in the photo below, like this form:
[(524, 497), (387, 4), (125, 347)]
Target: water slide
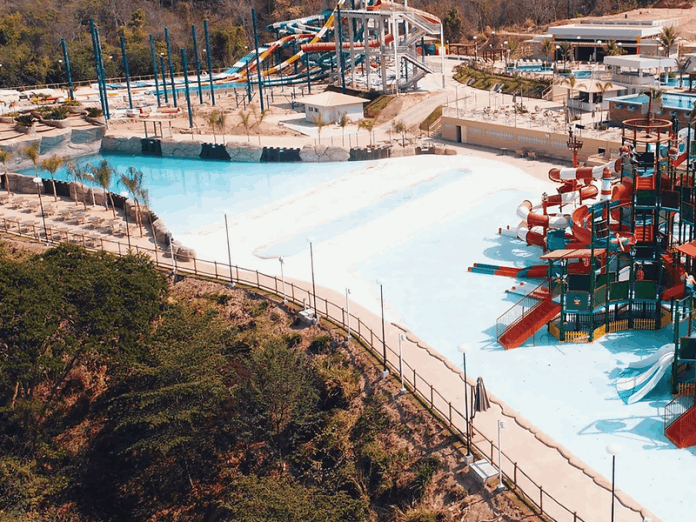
[(645, 374)]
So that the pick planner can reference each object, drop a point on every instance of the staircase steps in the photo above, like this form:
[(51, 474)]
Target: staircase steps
[(682, 431)]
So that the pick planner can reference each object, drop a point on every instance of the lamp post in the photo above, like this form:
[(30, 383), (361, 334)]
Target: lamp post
[(463, 348), (507, 58), (282, 278), (348, 311), (402, 337), (39, 183), (613, 450), (385, 371), (476, 48), (311, 260), (501, 426), (229, 251)]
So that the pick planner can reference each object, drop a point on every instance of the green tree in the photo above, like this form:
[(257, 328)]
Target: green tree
[(77, 172), (320, 123), (683, 67), (132, 181), (668, 37), (565, 49), (103, 174), (570, 80), (368, 124), (614, 49), (246, 123), (342, 122), (32, 153), (399, 127), (453, 25), (603, 87), (653, 96), (5, 156), (547, 48), (51, 165)]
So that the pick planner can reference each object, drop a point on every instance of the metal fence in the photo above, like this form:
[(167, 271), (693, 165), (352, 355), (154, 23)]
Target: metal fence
[(513, 473)]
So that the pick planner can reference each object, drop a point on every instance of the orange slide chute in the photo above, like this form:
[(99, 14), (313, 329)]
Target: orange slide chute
[(331, 46)]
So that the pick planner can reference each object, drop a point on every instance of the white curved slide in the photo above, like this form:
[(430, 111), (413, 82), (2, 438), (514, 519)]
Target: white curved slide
[(638, 386)]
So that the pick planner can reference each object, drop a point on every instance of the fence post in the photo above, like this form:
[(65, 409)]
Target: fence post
[(195, 268), (450, 413), (372, 344), (258, 282), (415, 387), (292, 287), (275, 284), (541, 499), (215, 262), (514, 476), (492, 448), (575, 516), (431, 395)]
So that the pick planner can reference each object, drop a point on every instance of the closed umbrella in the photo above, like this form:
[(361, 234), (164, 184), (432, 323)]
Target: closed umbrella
[(481, 402)]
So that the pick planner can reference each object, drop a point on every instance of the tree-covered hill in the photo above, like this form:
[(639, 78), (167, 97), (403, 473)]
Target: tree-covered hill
[(30, 30), (126, 398)]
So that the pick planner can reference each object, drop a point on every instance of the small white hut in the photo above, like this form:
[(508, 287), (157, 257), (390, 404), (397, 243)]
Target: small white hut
[(331, 106)]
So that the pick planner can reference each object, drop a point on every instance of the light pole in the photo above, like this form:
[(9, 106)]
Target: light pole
[(229, 253), (402, 337), (39, 183), (311, 260), (501, 426), (385, 371), (507, 58), (475, 48), (463, 348), (613, 450), (282, 278), (348, 311)]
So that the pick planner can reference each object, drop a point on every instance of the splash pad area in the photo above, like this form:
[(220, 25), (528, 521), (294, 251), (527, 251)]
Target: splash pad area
[(419, 222)]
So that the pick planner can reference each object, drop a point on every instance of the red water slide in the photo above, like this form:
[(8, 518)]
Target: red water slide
[(331, 46)]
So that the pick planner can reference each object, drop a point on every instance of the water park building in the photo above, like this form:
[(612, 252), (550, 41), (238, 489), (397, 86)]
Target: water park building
[(331, 106)]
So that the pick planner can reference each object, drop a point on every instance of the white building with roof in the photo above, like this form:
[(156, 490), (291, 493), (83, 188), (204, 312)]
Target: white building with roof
[(330, 106), (589, 37)]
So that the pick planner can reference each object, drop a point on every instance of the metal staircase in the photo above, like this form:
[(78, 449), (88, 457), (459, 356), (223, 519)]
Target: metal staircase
[(680, 419)]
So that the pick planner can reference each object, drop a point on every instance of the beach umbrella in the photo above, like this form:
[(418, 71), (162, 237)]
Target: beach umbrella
[(480, 398)]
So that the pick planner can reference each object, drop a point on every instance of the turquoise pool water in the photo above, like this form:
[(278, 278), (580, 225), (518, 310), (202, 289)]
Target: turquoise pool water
[(530, 68), (209, 189), (669, 100)]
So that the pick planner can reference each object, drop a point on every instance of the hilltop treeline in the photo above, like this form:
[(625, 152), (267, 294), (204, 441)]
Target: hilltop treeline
[(30, 30), (121, 399)]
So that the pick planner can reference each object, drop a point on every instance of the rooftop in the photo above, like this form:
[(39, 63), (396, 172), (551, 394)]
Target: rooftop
[(331, 99)]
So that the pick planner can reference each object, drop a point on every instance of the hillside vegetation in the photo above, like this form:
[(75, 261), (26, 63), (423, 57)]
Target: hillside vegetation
[(126, 398), (30, 30)]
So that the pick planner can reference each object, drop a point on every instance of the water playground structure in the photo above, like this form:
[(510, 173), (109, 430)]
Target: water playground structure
[(618, 244)]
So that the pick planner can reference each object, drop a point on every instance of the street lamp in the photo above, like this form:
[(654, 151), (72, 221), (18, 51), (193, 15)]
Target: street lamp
[(282, 278), (314, 288), (39, 183), (463, 348), (507, 58), (385, 371), (348, 311), (402, 337), (476, 48), (613, 450), (501, 426)]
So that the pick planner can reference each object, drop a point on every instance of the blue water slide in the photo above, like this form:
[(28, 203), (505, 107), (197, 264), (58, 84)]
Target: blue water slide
[(642, 376)]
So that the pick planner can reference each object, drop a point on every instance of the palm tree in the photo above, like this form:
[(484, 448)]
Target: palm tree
[(342, 123), (564, 48), (682, 67), (400, 128), (76, 172), (246, 123), (52, 165), (32, 152), (145, 198), (102, 174), (668, 37), (653, 95), (570, 80), (603, 87), (320, 123), (211, 119), (132, 181), (546, 47), (5, 156), (368, 125), (221, 124), (613, 49)]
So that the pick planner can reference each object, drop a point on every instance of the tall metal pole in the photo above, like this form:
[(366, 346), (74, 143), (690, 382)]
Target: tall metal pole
[(184, 64), (384, 339), (613, 482), (258, 62), (154, 68), (164, 80), (248, 86), (229, 252), (107, 114), (314, 288), (309, 82), (462, 349), (39, 186), (210, 61), (341, 63), (171, 65), (95, 47), (66, 60), (126, 71), (348, 310), (282, 278), (198, 63)]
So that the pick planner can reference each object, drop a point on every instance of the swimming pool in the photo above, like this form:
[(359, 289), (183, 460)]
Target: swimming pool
[(530, 68), (419, 222), (668, 100)]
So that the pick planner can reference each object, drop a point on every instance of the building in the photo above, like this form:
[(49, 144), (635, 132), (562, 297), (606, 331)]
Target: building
[(589, 37), (330, 106), (638, 73)]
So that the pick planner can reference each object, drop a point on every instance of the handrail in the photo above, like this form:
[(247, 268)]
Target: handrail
[(679, 405), (508, 319), (438, 404)]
